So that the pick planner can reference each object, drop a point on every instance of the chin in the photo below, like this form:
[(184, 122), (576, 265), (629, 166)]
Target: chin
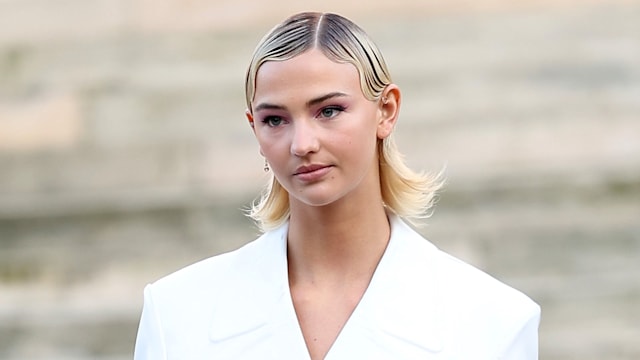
[(322, 199), (318, 197), (316, 201)]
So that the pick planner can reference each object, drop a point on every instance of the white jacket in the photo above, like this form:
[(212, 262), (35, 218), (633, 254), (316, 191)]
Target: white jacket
[(421, 304)]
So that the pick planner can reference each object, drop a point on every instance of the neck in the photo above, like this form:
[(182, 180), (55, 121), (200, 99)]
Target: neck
[(339, 241)]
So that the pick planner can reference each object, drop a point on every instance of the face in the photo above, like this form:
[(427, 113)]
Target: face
[(317, 130)]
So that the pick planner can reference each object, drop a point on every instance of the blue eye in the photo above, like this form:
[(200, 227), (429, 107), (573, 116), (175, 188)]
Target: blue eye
[(331, 111), (272, 121)]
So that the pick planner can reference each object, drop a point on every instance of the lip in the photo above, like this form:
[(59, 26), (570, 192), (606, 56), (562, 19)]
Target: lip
[(311, 172)]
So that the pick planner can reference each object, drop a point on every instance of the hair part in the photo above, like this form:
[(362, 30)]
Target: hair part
[(409, 194)]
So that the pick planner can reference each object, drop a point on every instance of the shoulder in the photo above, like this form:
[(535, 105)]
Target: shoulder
[(210, 275), (231, 290), (476, 310), (461, 281), (486, 314), (466, 278), (474, 294)]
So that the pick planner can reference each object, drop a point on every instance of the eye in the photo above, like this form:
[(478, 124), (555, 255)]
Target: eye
[(331, 111), (273, 121)]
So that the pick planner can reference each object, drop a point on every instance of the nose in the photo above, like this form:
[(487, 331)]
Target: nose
[(304, 139)]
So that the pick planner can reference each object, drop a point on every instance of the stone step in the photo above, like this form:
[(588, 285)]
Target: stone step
[(52, 268)]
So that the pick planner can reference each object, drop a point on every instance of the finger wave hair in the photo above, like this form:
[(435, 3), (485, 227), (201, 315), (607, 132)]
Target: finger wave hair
[(409, 194)]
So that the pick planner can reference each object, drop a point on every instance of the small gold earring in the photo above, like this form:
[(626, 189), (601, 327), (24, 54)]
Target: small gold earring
[(385, 100), (266, 166)]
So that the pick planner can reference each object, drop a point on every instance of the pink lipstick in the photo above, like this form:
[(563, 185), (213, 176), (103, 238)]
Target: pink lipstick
[(313, 172)]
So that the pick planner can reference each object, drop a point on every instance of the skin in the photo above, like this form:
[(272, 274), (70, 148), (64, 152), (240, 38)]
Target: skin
[(319, 134)]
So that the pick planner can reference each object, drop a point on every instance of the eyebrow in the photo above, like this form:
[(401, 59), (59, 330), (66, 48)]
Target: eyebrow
[(310, 103)]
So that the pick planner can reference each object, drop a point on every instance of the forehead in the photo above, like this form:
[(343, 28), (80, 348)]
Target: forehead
[(305, 76)]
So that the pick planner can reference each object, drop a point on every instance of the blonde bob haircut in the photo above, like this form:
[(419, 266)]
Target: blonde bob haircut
[(404, 192)]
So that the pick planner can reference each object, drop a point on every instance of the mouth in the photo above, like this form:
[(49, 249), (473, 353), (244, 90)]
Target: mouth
[(308, 169), (311, 172)]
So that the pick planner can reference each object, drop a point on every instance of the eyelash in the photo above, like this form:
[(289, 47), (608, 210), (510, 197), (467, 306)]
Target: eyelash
[(268, 120), (336, 108)]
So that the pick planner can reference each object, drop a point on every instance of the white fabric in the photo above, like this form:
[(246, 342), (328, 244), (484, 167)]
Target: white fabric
[(421, 304)]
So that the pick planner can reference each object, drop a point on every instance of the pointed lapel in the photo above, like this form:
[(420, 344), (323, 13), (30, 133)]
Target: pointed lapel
[(255, 318), (254, 288), (401, 311), (411, 305)]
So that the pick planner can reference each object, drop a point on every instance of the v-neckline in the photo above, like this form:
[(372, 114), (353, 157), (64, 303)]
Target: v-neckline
[(352, 318)]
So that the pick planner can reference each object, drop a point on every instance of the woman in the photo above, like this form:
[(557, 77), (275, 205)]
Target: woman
[(337, 274)]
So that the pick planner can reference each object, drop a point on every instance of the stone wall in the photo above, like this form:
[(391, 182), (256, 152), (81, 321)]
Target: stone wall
[(124, 155)]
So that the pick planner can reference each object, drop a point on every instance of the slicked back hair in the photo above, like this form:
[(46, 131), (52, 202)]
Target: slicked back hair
[(404, 192)]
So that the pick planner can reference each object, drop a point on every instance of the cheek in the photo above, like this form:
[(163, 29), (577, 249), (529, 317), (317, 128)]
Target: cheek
[(272, 147), (267, 149), (356, 144)]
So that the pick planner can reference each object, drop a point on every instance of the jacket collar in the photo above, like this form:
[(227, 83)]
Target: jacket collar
[(404, 298), (256, 286), (401, 303)]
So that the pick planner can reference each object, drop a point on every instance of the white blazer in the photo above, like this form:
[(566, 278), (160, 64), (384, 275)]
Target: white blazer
[(421, 304)]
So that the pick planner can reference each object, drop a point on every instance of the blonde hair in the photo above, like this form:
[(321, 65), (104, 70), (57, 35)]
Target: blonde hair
[(404, 192)]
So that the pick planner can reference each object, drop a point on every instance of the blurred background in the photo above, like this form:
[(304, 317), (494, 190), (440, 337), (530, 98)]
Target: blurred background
[(125, 154)]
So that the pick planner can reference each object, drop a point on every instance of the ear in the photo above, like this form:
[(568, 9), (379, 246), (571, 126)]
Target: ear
[(249, 116), (389, 108)]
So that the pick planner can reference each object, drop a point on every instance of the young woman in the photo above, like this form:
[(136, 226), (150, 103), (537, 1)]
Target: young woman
[(337, 274)]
